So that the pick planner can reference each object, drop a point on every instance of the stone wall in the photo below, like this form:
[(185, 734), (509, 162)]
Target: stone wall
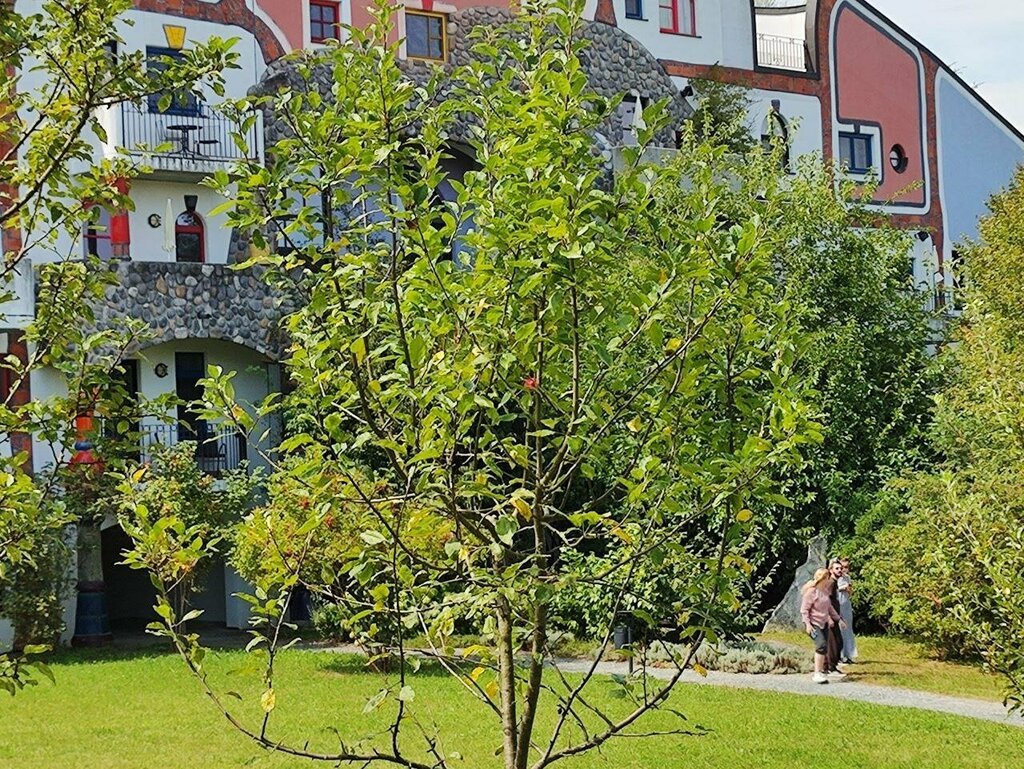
[(197, 301), (615, 62)]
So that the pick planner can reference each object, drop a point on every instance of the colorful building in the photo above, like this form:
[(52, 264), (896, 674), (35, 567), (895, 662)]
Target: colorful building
[(835, 77)]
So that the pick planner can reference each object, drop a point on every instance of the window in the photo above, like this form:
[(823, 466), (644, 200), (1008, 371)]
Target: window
[(189, 237), (634, 9), (855, 152), (425, 35), (775, 130), (678, 16), (96, 234), (323, 21), (898, 158), (183, 101)]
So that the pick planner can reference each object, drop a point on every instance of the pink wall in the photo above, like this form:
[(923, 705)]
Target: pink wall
[(879, 83), (288, 15)]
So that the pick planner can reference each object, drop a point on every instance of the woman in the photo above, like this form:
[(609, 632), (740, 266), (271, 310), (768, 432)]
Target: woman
[(844, 584), (819, 616)]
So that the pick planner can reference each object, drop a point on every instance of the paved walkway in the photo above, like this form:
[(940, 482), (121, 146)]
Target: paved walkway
[(845, 689)]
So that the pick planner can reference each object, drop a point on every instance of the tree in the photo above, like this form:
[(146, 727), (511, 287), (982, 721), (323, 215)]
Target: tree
[(607, 365), (58, 77), (949, 569), (868, 358)]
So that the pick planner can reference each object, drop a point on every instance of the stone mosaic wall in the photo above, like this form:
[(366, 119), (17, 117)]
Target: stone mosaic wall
[(615, 62), (197, 301)]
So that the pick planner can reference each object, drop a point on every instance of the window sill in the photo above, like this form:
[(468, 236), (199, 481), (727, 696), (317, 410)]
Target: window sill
[(428, 59), (636, 18), (680, 34)]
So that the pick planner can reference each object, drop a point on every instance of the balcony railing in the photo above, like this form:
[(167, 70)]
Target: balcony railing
[(781, 52), (198, 140), (218, 449)]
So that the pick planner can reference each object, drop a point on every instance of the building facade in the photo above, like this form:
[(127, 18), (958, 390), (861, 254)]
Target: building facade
[(836, 77)]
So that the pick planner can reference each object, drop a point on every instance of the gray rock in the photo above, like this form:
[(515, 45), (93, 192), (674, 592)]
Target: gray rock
[(787, 614)]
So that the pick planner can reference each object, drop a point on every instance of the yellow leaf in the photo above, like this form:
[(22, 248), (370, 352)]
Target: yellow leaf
[(268, 700), (524, 509), (492, 689), (673, 344), (622, 534), (477, 672), (358, 348), (744, 515), (634, 424), (700, 669), (137, 475)]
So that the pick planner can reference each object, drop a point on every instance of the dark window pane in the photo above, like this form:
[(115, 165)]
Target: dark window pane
[(416, 34), (424, 36), (314, 12), (187, 246), (634, 9)]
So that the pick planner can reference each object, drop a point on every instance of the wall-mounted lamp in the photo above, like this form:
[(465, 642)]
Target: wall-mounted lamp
[(160, 369)]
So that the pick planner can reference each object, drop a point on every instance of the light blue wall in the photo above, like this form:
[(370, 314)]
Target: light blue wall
[(978, 158)]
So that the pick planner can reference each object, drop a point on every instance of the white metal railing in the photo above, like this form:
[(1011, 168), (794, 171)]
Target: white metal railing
[(781, 52)]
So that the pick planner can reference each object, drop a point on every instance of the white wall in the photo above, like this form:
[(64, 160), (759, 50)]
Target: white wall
[(802, 114), (150, 197), (792, 23), (724, 33)]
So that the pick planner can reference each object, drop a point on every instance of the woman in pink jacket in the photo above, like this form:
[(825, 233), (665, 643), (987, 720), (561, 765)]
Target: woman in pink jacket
[(819, 615)]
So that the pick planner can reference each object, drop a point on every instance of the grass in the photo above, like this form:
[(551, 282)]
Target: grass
[(897, 662), (141, 710)]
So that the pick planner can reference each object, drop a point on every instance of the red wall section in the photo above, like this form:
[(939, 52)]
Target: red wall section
[(879, 82), (288, 16)]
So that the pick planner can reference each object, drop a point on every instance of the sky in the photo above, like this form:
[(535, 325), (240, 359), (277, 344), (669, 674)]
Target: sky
[(981, 40)]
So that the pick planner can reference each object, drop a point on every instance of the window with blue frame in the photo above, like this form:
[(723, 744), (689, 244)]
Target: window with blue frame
[(182, 100), (855, 152), (634, 9)]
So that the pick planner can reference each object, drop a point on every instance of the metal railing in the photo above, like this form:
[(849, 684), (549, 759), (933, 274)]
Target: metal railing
[(198, 136), (781, 52), (218, 449)]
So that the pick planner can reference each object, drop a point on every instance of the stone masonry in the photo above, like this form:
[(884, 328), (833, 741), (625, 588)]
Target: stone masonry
[(197, 301)]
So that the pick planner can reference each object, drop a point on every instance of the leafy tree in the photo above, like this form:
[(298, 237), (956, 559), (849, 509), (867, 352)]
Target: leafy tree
[(609, 367), (868, 357), (950, 569), (58, 77), (722, 114)]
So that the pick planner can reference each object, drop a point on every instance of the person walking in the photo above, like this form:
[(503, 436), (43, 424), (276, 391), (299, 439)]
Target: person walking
[(834, 649), (845, 588), (819, 618)]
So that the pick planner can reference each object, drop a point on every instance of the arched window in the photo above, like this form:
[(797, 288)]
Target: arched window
[(776, 129), (189, 237)]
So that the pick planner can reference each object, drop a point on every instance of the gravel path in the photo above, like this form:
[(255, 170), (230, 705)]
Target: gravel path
[(845, 689)]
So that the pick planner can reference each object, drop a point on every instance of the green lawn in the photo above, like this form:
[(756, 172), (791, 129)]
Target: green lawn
[(896, 662), (143, 711)]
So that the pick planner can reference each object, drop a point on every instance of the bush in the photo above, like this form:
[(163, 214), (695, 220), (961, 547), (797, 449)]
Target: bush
[(33, 588), (757, 657)]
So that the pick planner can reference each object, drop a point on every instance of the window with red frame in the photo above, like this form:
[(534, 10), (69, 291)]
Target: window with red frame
[(323, 21), (678, 16), (189, 238)]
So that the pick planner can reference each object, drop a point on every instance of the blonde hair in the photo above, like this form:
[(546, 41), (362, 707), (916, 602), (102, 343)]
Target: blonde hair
[(819, 576)]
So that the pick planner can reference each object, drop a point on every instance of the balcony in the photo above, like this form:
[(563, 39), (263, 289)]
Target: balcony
[(191, 143), (218, 449), (777, 52)]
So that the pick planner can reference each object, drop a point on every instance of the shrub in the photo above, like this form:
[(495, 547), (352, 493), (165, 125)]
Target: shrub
[(746, 656)]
